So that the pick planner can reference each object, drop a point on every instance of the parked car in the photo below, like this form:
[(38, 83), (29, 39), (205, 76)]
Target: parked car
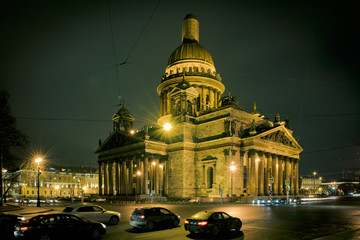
[(259, 201), (25, 201), (52, 200), (58, 226), (98, 199), (94, 213), (7, 223), (150, 218), (211, 222)]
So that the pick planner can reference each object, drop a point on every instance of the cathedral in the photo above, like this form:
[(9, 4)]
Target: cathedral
[(204, 145)]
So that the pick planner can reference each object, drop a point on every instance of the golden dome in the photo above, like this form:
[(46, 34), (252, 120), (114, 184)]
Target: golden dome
[(190, 50)]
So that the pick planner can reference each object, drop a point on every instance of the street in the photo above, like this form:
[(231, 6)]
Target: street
[(333, 219)]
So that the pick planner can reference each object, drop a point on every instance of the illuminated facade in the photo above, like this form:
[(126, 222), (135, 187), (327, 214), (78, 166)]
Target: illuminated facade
[(56, 181), (213, 148)]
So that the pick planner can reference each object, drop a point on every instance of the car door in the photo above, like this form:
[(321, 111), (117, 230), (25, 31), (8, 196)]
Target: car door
[(228, 222), (75, 225), (155, 216), (166, 217), (85, 212), (52, 226), (217, 219), (99, 214)]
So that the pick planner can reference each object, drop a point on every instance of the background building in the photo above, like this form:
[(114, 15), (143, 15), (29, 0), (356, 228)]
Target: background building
[(210, 147), (56, 181)]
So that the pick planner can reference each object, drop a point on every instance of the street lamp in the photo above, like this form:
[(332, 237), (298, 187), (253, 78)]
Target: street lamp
[(314, 173), (232, 168), (38, 161), (167, 126)]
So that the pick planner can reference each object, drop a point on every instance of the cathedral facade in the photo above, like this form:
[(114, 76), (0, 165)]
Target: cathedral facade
[(204, 145)]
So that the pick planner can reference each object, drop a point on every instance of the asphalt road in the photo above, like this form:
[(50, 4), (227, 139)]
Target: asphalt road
[(331, 219)]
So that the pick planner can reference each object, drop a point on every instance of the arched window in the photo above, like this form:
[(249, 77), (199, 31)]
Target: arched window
[(210, 177)]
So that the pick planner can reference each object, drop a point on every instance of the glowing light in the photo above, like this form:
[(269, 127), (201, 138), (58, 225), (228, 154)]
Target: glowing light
[(257, 159), (232, 168), (132, 131), (138, 173), (154, 163), (167, 126), (161, 166), (38, 160), (57, 187)]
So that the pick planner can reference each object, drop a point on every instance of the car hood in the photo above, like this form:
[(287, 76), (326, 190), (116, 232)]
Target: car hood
[(113, 212)]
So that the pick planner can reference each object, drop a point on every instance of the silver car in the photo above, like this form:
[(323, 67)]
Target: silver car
[(94, 213)]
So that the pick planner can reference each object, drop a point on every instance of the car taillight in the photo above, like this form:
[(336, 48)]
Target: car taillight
[(142, 216), (24, 228), (186, 221), (202, 223)]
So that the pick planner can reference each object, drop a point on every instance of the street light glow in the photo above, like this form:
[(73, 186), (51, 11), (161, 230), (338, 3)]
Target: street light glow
[(167, 126), (154, 163), (232, 168), (38, 160), (132, 131), (138, 173)]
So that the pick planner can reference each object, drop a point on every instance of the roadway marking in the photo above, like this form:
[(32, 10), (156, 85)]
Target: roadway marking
[(147, 235), (273, 229)]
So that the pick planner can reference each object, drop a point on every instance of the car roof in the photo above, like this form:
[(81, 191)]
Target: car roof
[(79, 206), (203, 214)]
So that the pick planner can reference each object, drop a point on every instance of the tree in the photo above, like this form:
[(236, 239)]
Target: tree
[(10, 136)]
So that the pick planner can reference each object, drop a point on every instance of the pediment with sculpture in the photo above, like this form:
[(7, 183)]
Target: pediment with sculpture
[(281, 137)]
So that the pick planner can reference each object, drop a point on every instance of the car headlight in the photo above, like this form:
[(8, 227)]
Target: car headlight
[(22, 218), (104, 226)]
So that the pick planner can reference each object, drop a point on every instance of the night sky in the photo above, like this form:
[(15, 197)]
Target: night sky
[(63, 70)]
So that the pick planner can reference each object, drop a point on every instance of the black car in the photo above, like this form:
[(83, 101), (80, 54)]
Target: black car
[(59, 226), (149, 218), (211, 222), (7, 223)]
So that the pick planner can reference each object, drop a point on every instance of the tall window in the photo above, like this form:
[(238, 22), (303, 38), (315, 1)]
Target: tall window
[(210, 177)]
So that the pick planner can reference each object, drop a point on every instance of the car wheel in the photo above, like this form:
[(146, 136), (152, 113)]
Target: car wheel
[(114, 220), (149, 226), (238, 226), (215, 230), (44, 237), (95, 233), (175, 223)]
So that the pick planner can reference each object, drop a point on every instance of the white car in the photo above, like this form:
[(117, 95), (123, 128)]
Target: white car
[(94, 213)]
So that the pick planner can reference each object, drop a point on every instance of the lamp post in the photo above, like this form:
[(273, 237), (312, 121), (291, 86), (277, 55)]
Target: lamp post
[(38, 161), (314, 173), (232, 168)]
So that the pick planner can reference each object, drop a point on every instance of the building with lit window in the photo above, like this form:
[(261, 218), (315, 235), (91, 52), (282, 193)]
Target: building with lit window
[(204, 145), (56, 181)]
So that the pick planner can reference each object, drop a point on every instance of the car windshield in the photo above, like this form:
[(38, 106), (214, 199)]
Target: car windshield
[(68, 209), (138, 211)]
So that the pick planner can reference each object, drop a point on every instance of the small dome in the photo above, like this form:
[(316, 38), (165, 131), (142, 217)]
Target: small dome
[(190, 50)]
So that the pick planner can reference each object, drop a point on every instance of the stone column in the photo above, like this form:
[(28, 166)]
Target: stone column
[(106, 178), (168, 104), (281, 176), (287, 170), (211, 97), (161, 104), (111, 178), (275, 170), (131, 177), (203, 98), (261, 174), (292, 175), (117, 177), (297, 176), (268, 174), (253, 188), (123, 178), (100, 179), (146, 177)]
